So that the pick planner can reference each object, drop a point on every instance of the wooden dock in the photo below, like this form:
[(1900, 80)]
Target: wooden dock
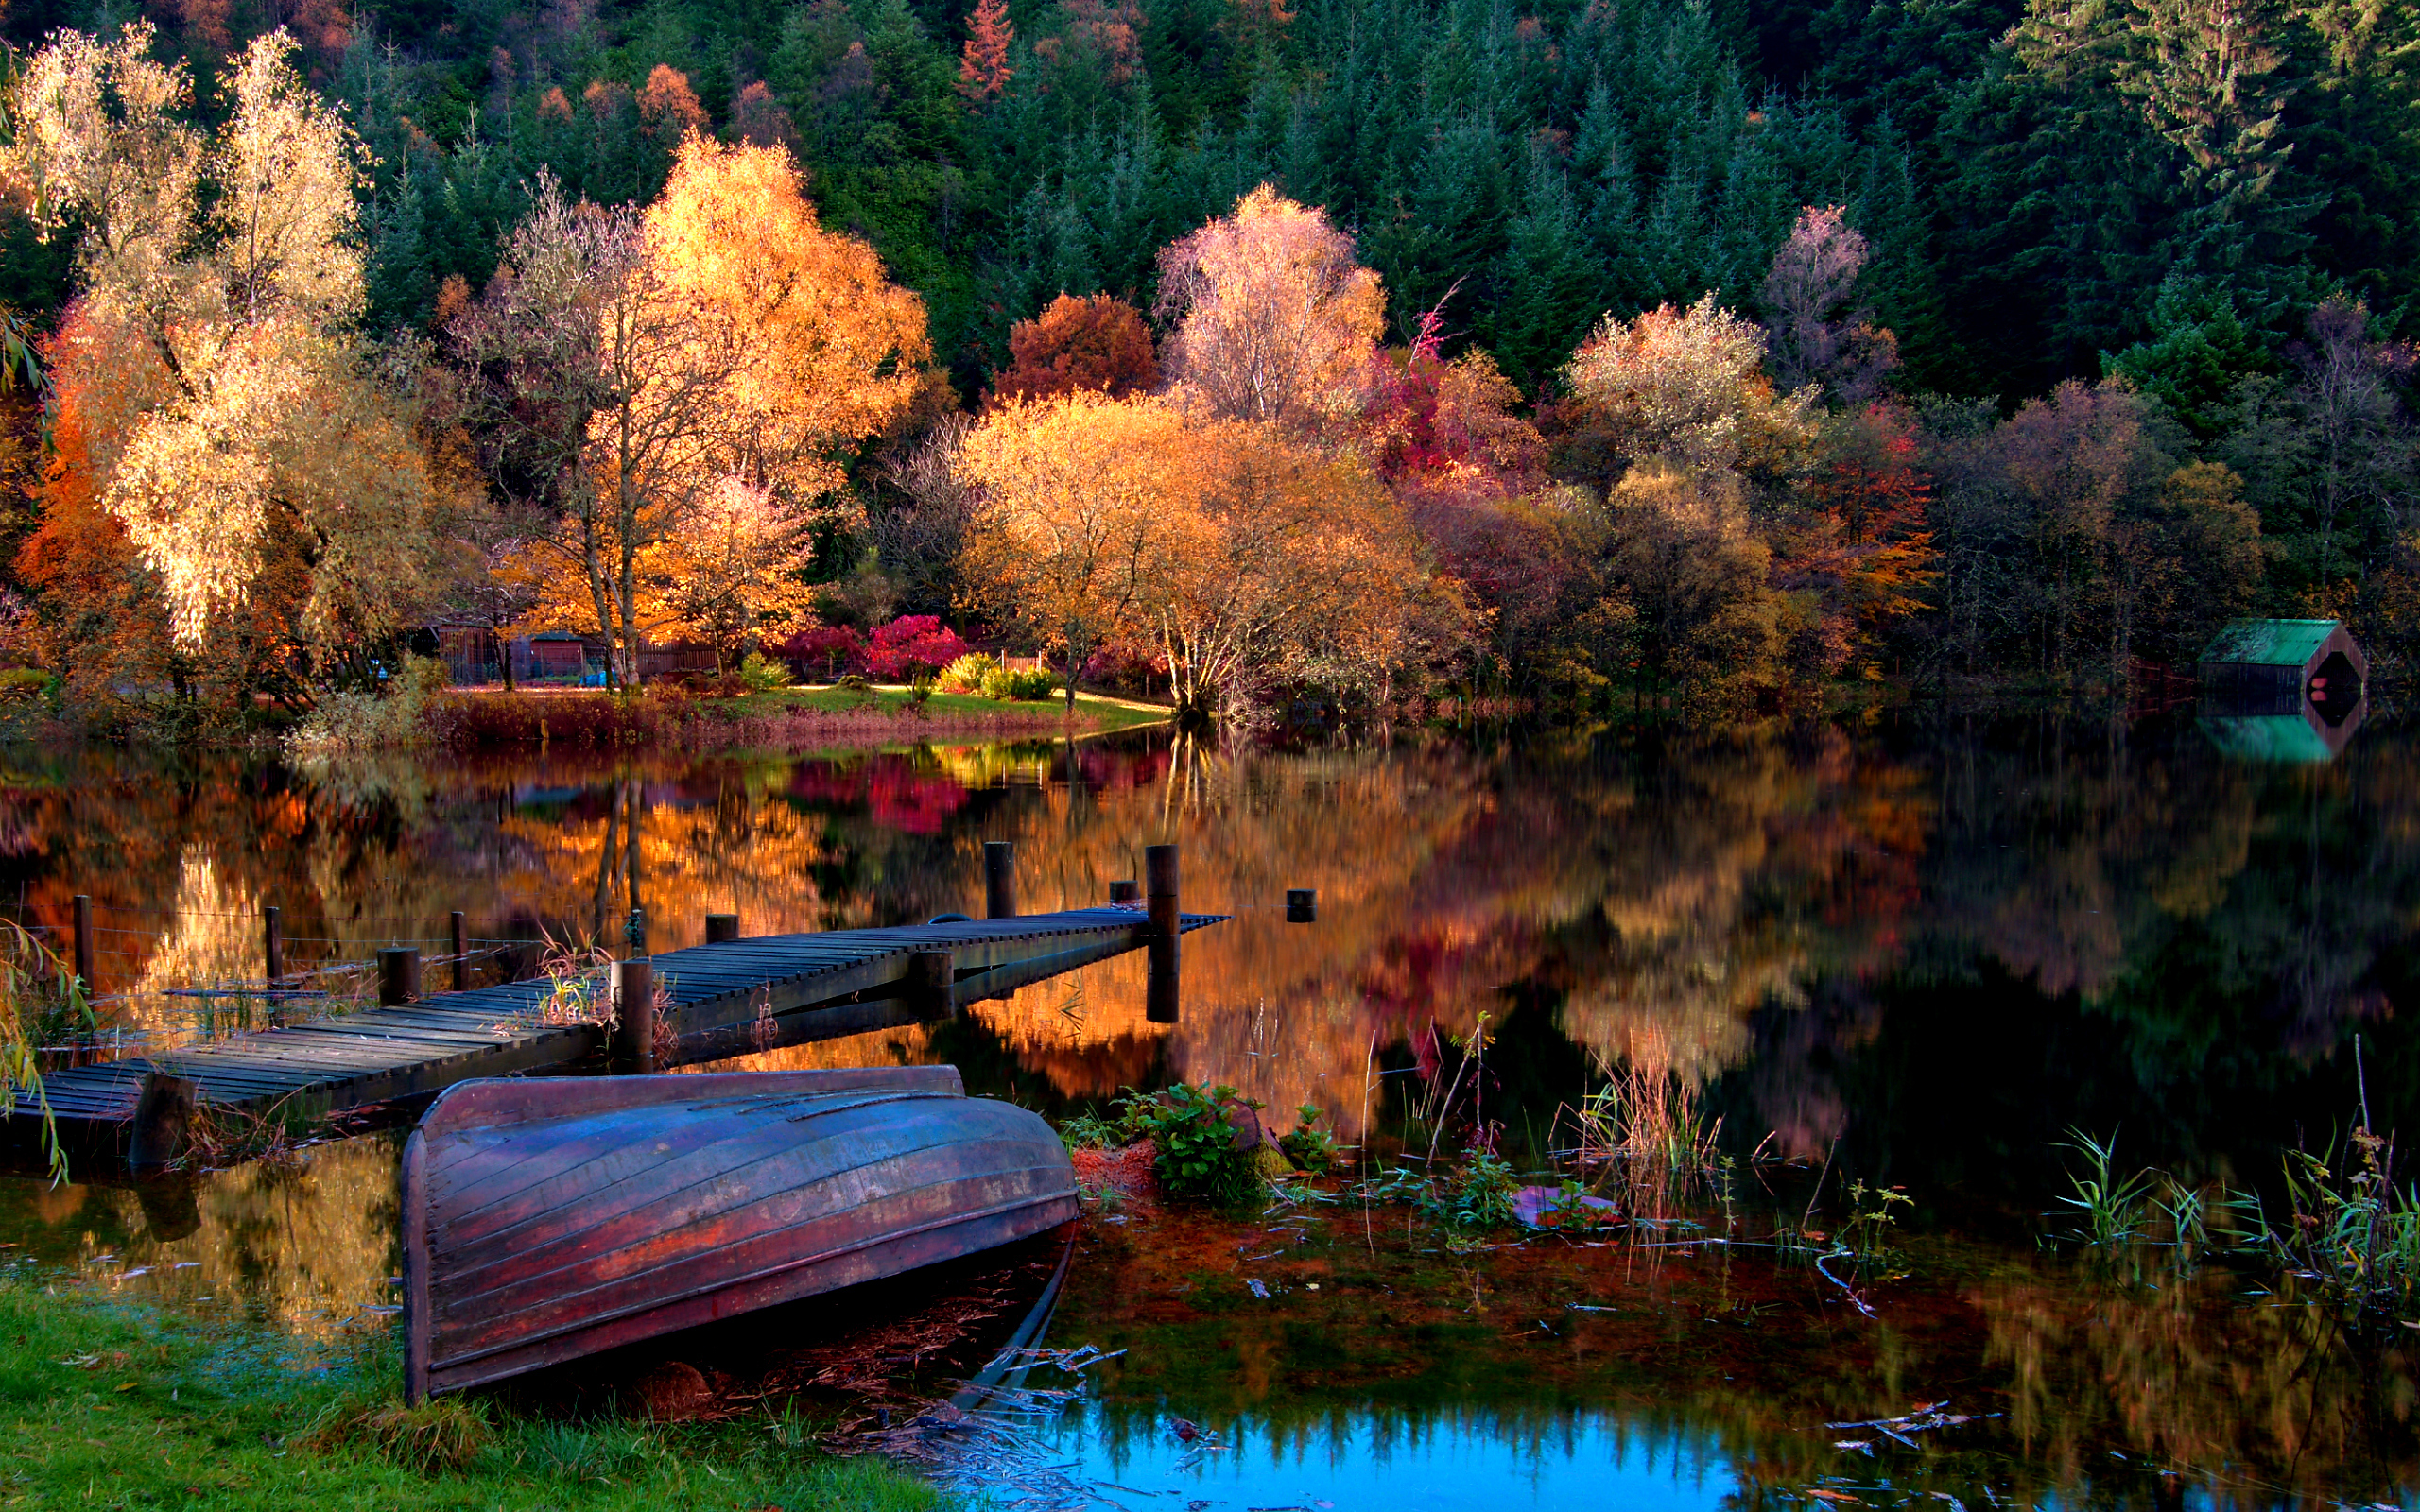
[(724, 1000)]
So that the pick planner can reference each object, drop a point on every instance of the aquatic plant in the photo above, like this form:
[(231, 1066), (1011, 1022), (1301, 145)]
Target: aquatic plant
[(1477, 1194), (2348, 1230), (1872, 1215), (1311, 1147), (1090, 1130), (1199, 1153), (2114, 1210)]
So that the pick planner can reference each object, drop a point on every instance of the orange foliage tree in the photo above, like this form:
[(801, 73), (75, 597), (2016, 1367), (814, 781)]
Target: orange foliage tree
[(1098, 342), (630, 367), (983, 69), (260, 461)]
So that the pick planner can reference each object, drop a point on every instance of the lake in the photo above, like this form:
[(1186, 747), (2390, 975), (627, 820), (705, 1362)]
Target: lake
[(1916, 950)]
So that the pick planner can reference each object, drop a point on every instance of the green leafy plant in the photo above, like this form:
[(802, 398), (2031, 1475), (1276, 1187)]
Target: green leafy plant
[(1025, 685), (759, 673), (2113, 1209), (1198, 1154), (967, 673), (2348, 1229), (1090, 1131), (1872, 1215), (1311, 1147), (1477, 1194)]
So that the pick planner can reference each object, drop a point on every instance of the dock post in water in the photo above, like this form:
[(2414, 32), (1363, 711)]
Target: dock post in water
[(85, 951), (932, 984), (1164, 950), (999, 880), (1159, 882), (162, 1115), (273, 944), (635, 1034), (722, 929), (398, 976), (1302, 906), (1126, 891), (462, 953)]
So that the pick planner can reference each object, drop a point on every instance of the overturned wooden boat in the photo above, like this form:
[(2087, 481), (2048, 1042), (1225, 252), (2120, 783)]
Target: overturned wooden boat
[(550, 1218)]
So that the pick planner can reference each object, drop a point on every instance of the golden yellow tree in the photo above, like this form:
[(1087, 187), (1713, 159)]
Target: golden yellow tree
[(1274, 320), (1077, 498), (1296, 565), (737, 571), (277, 446), (631, 365)]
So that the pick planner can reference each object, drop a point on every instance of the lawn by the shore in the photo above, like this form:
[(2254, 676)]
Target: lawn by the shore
[(1093, 711), (109, 1405)]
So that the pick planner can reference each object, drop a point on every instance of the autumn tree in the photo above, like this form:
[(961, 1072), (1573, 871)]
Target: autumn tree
[(736, 572), (279, 448), (1296, 568), (1098, 342), (1074, 498), (1687, 386), (1696, 582), (1272, 317), (1817, 333), (983, 68), (628, 366)]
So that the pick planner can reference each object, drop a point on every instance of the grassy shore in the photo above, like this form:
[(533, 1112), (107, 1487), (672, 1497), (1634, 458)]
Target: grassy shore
[(1095, 711), (104, 1404)]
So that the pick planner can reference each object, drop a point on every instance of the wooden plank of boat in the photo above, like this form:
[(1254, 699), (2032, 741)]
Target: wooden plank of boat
[(550, 1218)]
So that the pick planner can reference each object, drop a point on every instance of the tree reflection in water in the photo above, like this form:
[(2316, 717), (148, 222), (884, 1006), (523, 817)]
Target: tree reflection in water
[(1919, 949)]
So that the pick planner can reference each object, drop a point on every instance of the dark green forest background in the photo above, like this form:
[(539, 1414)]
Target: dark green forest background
[(2046, 187)]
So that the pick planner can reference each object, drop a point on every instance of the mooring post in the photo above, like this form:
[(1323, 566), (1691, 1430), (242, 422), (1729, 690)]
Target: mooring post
[(635, 932), (161, 1114), (1163, 954), (1302, 906), (932, 984), (398, 976), (1159, 881), (635, 1032), (999, 880), (1125, 891), (273, 944), (722, 929), (462, 953), (85, 951)]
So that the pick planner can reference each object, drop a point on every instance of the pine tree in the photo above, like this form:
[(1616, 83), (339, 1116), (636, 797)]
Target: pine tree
[(983, 69)]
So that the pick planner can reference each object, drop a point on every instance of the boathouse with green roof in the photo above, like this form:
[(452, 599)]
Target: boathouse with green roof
[(2280, 666)]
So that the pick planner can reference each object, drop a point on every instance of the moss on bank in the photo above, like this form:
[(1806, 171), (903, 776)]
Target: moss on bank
[(105, 1404)]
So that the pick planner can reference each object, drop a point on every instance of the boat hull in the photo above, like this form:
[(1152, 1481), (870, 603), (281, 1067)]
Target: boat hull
[(548, 1219)]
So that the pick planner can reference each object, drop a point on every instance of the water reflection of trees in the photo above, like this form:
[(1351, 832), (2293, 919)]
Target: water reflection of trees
[(307, 1245), (1784, 910)]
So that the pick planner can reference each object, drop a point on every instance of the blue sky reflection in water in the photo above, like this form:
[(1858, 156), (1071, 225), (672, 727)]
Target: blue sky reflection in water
[(1464, 1464), (1922, 950)]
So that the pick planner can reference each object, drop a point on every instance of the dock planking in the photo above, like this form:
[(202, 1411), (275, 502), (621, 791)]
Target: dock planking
[(725, 999)]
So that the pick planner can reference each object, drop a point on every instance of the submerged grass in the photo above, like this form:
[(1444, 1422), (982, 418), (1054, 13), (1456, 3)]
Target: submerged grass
[(105, 1404)]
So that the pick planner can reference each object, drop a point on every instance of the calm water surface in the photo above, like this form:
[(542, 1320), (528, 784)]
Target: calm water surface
[(1920, 950)]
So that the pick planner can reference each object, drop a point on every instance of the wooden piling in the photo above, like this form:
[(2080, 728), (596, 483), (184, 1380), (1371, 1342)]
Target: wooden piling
[(163, 1113), (85, 951), (1302, 906), (1164, 955), (1125, 890), (398, 976), (932, 984), (999, 880), (722, 929), (634, 1031), (461, 952), (273, 944), (1159, 883)]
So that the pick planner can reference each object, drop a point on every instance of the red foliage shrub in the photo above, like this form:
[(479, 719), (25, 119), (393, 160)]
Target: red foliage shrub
[(909, 645), (829, 647)]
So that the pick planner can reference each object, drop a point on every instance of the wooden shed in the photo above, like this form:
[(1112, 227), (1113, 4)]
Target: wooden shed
[(2285, 667)]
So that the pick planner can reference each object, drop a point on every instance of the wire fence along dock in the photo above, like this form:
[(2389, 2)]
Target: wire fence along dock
[(709, 1002)]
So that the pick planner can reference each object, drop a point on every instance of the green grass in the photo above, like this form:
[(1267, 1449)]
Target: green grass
[(1094, 712), (106, 1405)]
